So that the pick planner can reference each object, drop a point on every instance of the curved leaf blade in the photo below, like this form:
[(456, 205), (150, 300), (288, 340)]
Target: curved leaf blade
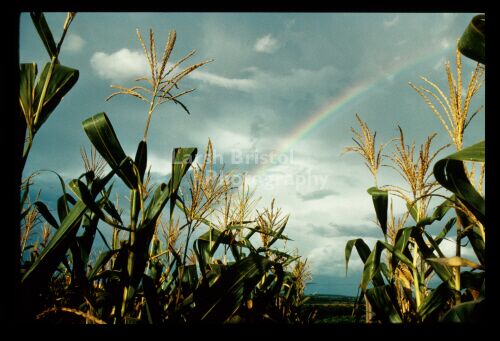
[(27, 76), (44, 32), (62, 79), (450, 173), (380, 200), (472, 42), (383, 304), (102, 135)]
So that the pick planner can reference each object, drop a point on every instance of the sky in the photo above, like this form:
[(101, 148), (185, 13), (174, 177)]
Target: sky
[(282, 88)]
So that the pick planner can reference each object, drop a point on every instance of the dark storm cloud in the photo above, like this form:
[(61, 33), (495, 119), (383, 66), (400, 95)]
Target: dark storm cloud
[(338, 230), (320, 194)]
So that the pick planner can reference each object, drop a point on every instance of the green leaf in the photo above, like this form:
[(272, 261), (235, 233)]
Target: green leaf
[(472, 280), (220, 301), (447, 227), (189, 277), (27, 76), (380, 202), (363, 251), (441, 210), (450, 173), (442, 270), (44, 211), (432, 242), (101, 261), (384, 269), (54, 252), (86, 196), (396, 253), (435, 301), (183, 157), (402, 238), (62, 205), (86, 240), (472, 42), (110, 208), (141, 158), (468, 312), (413, 211), (153, 308), (383, 305), (44, 32), (278, 233), (62, 79), (371, 267), (475, 153), (477, 243), (102, 135), (456, 261), (438, 214)]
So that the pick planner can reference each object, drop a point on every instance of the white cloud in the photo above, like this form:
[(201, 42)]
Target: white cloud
[(161, 165), (392, 22), (445, 43), (242, 84), (227, 140), (266, 44), (120, 65), (125, 64), (73, 43)]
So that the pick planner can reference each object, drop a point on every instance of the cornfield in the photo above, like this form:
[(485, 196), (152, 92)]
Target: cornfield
[(195, 248)]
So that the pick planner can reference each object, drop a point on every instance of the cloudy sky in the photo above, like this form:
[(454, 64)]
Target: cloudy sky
[(286, 85)]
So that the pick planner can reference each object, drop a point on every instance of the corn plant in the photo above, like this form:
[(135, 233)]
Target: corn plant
[(400, 289), (39, 95), (207, 269), (452, 174)]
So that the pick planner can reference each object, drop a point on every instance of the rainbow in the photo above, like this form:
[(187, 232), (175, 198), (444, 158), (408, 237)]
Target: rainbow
[(305, 127)]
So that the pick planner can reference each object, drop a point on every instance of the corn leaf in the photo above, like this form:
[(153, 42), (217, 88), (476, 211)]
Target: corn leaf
[(442, 270), (102, 135), (456, 261), (220, 301), (436, 300), (153, 308), (183, 158), (62, 205), (372, 264), (27, 76), (468, 312), (54, 252), (62, 79), (380, 200), (472, 42), (44, 32), (141, 158), (450, 173), (363, 251), (383, 304), (447, 227), (44, 211)]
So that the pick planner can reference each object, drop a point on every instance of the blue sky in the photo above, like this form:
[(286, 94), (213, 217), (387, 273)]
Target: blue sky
[(271, 72)]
